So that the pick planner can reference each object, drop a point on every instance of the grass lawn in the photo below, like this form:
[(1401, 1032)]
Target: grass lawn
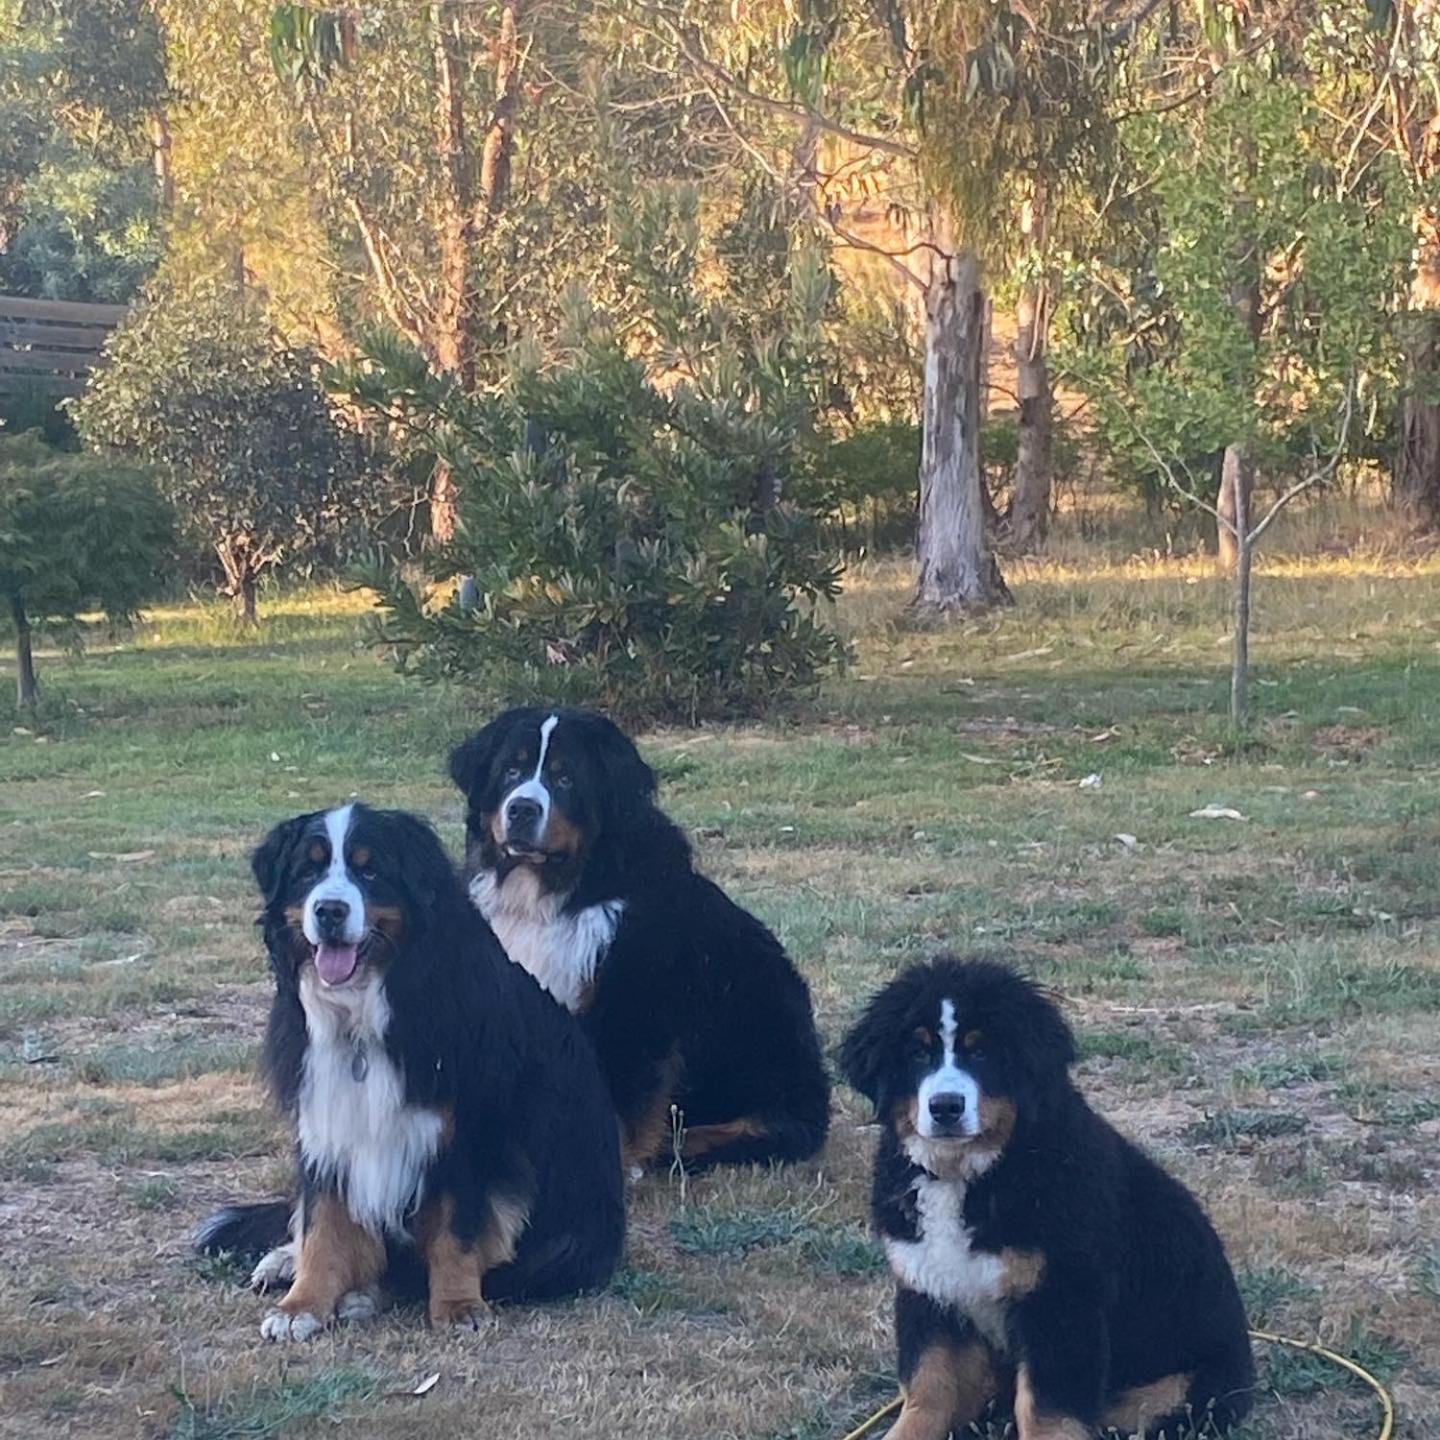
[(1258, 999)]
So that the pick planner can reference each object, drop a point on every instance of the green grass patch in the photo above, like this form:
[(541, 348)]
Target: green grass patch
[(1225, 1127), (332, 1396)]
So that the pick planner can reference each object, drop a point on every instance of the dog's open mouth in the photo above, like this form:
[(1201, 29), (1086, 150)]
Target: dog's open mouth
[(532, 854), (335, 964)]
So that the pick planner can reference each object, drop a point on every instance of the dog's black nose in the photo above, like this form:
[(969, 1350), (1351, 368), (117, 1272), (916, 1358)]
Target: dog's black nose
[(331, 915), (522, 813), (947, 1108)]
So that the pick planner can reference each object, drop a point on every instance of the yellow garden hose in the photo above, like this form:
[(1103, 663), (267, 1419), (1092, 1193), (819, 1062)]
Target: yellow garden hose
[(1387, 1405)]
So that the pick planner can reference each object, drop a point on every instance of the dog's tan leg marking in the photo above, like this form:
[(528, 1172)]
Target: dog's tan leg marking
[(1132, 1410), (1033, 1425), (646, 1136), (951, 1386), (336, 1256), (453, 1270), (705, 1138)]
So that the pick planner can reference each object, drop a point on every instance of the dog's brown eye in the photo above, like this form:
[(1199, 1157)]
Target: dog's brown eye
[(317, 854), (562, 780)]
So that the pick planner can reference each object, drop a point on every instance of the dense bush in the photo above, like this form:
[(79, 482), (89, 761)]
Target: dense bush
[(634, 553), (238, 425), (76, 531)]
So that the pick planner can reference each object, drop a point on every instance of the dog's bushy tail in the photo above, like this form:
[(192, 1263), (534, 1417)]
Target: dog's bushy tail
[(250, 1230)]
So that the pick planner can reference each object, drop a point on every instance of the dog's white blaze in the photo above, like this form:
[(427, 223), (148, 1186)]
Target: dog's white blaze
[(562, 951), (949, 1079), (336, 883), (942, 1262), (535, 788), (359, 1134)]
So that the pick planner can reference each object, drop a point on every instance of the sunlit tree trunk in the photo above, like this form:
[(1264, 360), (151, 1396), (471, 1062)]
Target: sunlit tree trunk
[(956, 568), (1415, 473), (1030, 505)]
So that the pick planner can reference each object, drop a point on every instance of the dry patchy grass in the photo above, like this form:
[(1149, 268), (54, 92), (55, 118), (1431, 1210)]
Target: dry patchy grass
[(1257, 999)]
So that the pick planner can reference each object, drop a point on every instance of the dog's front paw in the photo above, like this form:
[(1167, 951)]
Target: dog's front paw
[(279, 1325), (358, 1306), (275, 1270), (462, 1316)]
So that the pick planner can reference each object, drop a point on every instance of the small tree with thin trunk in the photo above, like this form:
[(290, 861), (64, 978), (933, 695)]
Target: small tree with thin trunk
[(1249, 322), (239, 427), (77, 532)]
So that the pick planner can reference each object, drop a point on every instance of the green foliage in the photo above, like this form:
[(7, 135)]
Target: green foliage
[(238, 425), (642, 559), (78, 79), (76, 532), (1244, 185)]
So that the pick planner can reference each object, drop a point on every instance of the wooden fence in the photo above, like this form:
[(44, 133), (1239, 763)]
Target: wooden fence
[(51, 345)]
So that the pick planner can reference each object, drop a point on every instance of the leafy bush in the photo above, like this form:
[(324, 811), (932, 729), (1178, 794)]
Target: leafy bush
[(238, 425), (634, 553), (75, 531)]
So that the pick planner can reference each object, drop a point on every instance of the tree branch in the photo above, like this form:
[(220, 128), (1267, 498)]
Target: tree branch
[(1316, 476), (689, 49)]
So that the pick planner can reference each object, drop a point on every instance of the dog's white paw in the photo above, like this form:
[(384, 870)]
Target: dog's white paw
[(358, 1306), (277, 1325), (275, 1270)]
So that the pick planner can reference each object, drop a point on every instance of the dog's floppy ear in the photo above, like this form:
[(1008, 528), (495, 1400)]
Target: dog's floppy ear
[(472, 758), (631, 781), (267, 863), (865, 1052), (423, 862)]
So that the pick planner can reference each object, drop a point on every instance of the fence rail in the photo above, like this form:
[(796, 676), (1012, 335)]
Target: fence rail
[(51, 345)]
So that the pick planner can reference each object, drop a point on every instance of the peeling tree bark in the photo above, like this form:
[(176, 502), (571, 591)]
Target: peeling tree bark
[(956, 568), (1415, 471), (1030, 506)]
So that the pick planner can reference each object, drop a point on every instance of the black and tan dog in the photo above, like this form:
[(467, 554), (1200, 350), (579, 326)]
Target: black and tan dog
[(1035, 1249), (690, 1001), (447, 1110)]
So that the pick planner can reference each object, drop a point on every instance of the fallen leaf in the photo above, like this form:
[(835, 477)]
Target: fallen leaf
[(1128, 841), (979, 759), (427, 1384), (127, 855), (1216, 812), (1091, 781), (93, 795)]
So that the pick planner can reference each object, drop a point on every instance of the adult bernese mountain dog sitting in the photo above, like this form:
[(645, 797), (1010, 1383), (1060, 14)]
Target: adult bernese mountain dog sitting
[(450, 1117), (1035, 1249), (690, 1001)]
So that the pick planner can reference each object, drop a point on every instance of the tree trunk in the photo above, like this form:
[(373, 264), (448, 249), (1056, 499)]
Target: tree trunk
[(27, 688), (1415, 471), (500, 137), (1237, 485), (956, 569), (1030, 505), (1240, 656), (161, 157), (245, 598)]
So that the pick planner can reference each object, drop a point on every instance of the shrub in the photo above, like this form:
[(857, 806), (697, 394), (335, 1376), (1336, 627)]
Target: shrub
[(75, 531), (633, 511), (237, 425)]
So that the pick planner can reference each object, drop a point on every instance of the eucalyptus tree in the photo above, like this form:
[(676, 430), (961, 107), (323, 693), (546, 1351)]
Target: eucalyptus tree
[(947, 118)]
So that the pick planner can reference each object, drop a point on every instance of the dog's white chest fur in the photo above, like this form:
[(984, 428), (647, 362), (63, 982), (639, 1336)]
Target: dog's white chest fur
[(560, 950), (943, 1263), (356, 1131)]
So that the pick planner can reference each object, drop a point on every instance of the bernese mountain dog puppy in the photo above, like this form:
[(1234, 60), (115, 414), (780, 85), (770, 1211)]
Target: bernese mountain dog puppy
[(450, 1116), (690, 1001), (1038, 1254)]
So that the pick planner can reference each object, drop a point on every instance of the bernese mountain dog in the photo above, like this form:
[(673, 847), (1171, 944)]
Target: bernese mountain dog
[(450, 1117), (1039, 1256), (700, 1020)]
